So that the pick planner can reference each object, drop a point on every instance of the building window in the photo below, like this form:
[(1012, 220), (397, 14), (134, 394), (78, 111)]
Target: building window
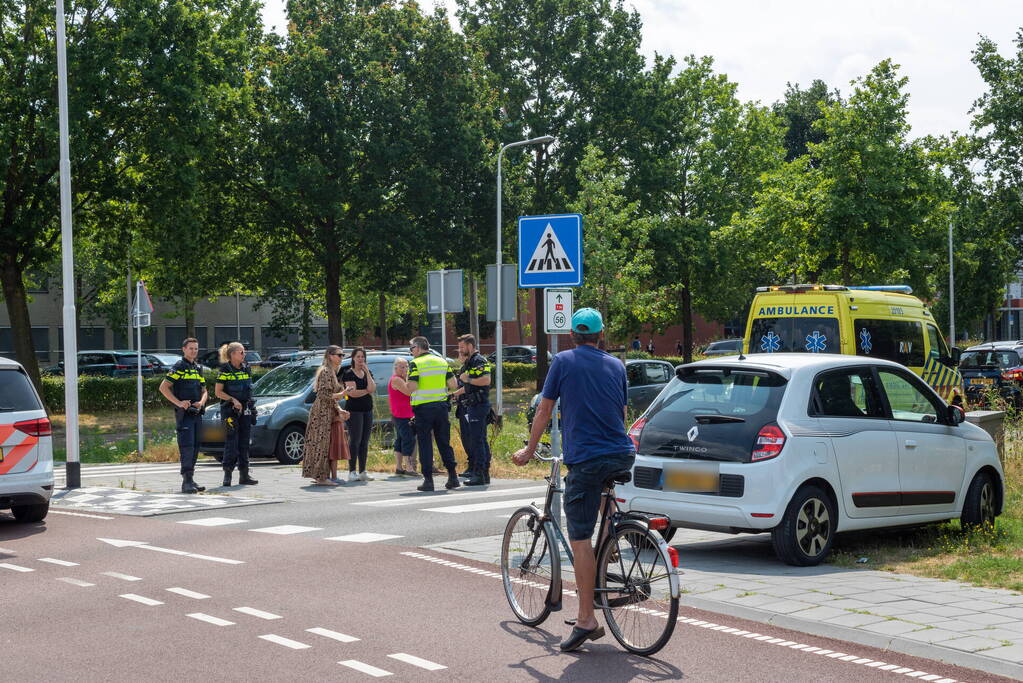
[(175, 334), (229, 333)]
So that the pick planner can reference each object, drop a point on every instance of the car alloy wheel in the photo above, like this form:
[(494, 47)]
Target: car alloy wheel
[(294, 444), (813, 527), (987, 503)]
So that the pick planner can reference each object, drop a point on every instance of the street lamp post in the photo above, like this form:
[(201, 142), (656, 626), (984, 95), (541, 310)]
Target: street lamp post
[(73, 471), (951, 290), (499, 337)]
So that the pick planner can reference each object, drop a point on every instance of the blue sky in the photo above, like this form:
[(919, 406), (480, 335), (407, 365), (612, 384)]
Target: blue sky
[(762, 44)]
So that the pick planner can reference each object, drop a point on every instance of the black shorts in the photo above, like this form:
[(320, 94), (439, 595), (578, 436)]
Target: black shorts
[(583, 486)]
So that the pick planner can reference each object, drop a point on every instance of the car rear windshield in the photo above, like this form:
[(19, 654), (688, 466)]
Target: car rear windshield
[(16, 392), (978, 360), (132, 360), (727, 407), (284, 381), (804, 335)]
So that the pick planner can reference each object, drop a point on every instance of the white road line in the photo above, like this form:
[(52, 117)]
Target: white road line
[(216, 621), (213, 521), (123, 577), (76, 582), (188, 594), (332, 634), (365, 668), (414, 500), (210, 558), (78, 514), (479, 507), (253, 612), (286, 642), (417, 661), (140, 598), (365, 537), (15, 567), (62, 563), (287, 529), (6, 550)]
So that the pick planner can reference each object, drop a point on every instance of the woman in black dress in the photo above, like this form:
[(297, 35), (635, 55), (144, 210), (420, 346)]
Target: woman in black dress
[(359, 384)]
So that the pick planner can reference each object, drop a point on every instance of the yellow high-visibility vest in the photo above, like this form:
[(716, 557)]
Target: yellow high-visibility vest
[(430, 374)]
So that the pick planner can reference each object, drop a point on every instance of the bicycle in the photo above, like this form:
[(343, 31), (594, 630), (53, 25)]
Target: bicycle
[(637, 584)]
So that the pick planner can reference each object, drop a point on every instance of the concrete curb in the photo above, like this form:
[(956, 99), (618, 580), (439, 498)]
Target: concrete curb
[(894, 643)]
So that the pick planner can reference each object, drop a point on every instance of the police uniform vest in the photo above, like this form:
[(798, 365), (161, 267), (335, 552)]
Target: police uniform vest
[(476, 366), (186, 381), (237, 381), (430, 373)]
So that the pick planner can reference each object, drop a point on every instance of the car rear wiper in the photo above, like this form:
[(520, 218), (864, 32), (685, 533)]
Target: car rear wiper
[(6, 409), (718, 419)]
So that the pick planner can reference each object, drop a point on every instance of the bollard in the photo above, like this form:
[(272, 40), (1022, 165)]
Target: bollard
[(992, 422)]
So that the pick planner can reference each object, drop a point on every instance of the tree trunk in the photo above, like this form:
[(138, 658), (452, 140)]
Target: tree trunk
[(686, 299), (190, 319), (17, 311), (332, 285), (518, 319), (474, 309), (541, 340), (846, 266), (307, 327), (383, 321)]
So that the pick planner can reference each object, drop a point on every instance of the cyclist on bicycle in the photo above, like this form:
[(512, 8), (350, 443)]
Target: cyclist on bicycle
[(594, 392)]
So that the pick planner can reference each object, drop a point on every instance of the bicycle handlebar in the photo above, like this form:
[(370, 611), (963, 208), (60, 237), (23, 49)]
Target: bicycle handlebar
[(550, 459)]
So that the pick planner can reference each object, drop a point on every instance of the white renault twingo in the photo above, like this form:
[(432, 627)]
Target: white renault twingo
[(26, 447), (807, 445)]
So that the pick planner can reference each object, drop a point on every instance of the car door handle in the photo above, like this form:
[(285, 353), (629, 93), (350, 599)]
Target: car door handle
[(910, 443)]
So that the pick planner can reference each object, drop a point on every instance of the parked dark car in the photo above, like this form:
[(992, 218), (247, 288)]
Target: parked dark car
[(283, 398), (725, 347), (517, 354), (993, 366), (162, 362), (108, 363)]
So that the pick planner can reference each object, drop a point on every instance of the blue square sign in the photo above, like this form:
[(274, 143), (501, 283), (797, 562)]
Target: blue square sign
[(551, 250)]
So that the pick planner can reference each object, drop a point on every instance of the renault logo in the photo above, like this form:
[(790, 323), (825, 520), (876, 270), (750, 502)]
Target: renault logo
[(693, 433)]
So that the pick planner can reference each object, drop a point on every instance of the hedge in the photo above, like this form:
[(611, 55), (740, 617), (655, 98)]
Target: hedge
[(98, 394)]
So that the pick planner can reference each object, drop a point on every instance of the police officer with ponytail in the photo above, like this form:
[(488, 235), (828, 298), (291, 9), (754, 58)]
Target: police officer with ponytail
[(237, 410)]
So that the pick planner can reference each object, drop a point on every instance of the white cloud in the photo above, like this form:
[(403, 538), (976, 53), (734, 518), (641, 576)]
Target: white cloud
[(763, 44)]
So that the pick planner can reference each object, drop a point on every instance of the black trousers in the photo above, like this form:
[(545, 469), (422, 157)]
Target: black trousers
[(360, 425), (479, 449), (236, 442), (188, 428), (432, 424), (462, 415)]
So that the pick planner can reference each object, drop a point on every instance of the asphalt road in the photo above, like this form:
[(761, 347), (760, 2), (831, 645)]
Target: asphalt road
[(295, 605)]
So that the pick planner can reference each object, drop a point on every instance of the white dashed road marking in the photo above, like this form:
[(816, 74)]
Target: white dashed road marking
[(15, 567), (332, 634), (365, 537), (62, 563), (414, 500), (188, 594), (76, 582), (287, 529), (417, 661), (365, 668), (79, 514), (216, 621), (286, 642), (140, 598), (253, 612), (214, 521), (122, 577), (480, 507)]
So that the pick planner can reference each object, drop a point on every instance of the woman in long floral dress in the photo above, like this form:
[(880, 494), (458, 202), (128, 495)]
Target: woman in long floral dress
[(324, 433)]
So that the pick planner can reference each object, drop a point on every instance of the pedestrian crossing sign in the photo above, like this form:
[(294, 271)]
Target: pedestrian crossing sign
[(551, 251)]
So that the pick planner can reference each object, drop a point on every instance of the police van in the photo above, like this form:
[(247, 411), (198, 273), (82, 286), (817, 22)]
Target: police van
[(878, 322)]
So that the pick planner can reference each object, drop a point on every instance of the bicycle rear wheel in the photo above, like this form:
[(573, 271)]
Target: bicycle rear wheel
[(529, 566), (634, 589)]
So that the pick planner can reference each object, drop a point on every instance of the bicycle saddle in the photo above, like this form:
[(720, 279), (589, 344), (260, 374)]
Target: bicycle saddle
[(622, 477)]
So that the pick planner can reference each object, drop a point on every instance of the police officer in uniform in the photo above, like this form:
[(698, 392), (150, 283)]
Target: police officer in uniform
[(475, 378), (461, 414), (185, 388), (237, 410)]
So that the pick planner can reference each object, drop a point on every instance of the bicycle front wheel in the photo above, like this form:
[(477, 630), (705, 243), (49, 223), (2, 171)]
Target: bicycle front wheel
[(529, 566), (633, 589)]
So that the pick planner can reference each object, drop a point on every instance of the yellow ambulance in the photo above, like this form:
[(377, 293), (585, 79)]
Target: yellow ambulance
[(877, 322)]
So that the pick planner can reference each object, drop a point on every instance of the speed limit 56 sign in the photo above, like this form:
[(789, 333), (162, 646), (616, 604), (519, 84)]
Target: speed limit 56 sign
[(558, 308)]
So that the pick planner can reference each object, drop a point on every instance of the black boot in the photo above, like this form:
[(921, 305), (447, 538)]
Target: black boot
[(227, 477), (187, 485), (452, 482), (479, 478), (427, 485), (244, 478)]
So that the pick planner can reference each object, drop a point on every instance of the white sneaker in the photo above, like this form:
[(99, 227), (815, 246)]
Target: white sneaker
[(353, 476), (365, 477)]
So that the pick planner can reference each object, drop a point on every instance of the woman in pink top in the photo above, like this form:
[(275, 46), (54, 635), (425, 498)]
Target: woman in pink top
[(401, 414)]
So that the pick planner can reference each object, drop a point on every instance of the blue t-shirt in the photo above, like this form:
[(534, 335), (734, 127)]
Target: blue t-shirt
[(593, 391)]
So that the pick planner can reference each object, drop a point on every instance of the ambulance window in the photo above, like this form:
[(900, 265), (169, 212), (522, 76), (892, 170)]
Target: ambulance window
[(937, 344), (901, 341), (795, 334)]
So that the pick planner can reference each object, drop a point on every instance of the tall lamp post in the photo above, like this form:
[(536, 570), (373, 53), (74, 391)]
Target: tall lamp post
[(499, 338), (73, 472), (951, 290)]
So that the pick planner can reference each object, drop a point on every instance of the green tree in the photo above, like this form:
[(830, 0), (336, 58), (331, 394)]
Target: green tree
[(800, 109)]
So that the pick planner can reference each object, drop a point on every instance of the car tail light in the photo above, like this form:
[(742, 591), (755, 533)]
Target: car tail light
[(673, 554), (37, 427), (636, 430), (770, 441), (658, 523), (122, 367), (1013, 374)]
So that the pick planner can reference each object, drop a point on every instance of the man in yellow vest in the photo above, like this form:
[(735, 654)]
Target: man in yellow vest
[(429, 382)]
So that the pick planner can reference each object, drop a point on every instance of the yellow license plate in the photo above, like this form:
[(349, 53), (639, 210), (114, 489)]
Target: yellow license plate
[(1, 455), (694, 478), (981, 380)]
